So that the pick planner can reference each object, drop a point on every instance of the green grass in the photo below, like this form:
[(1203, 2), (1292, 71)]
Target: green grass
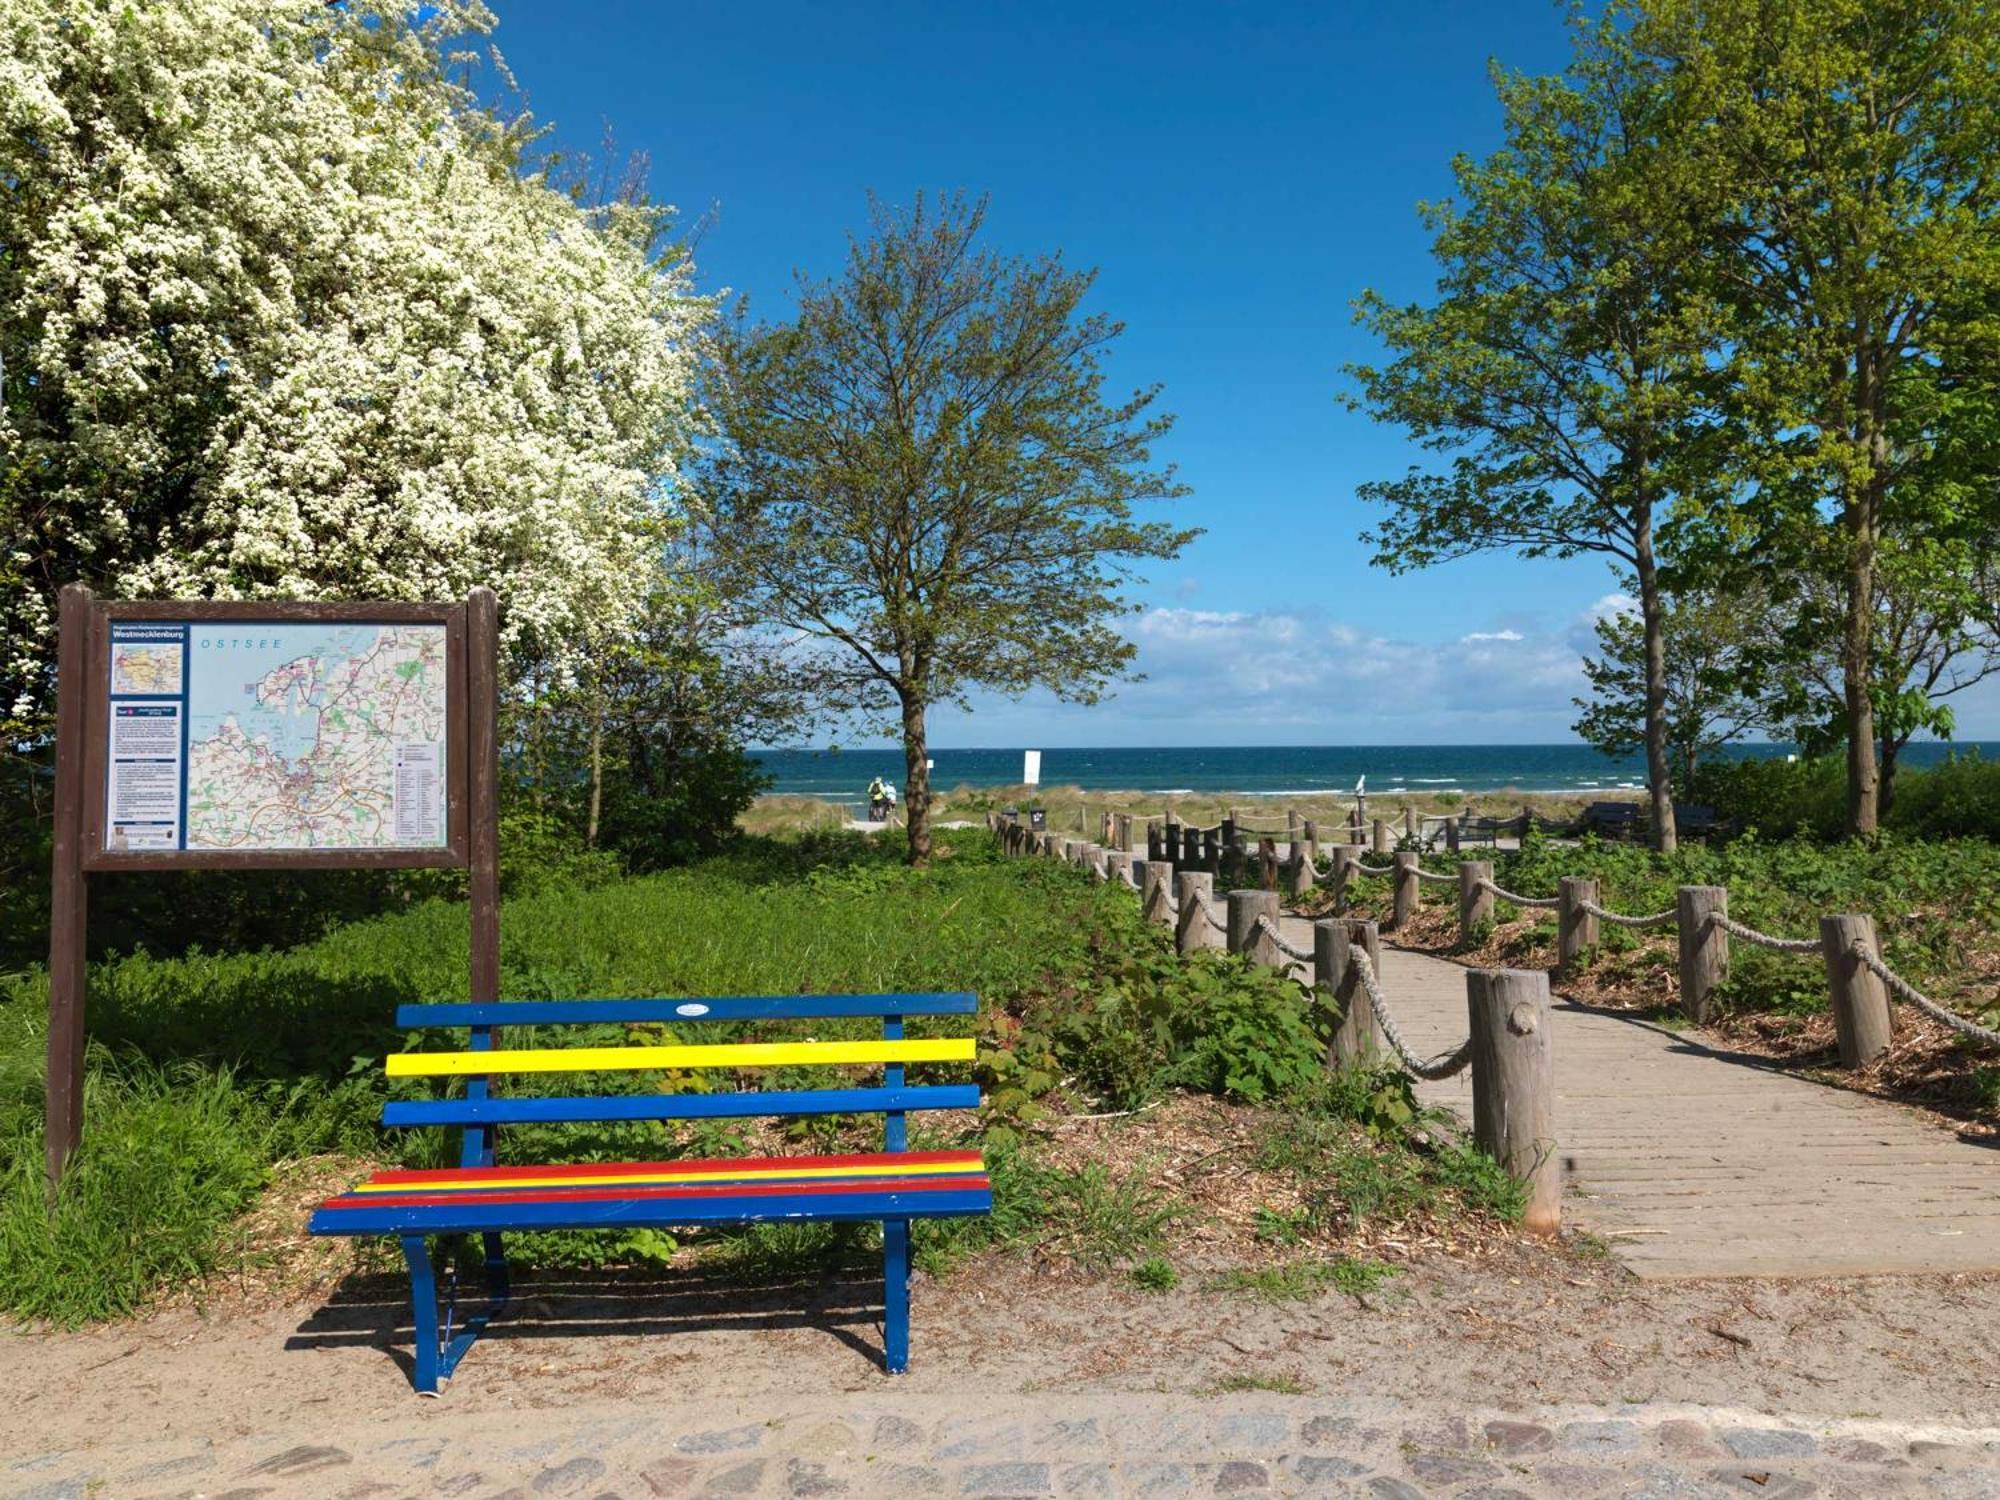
[(1301, 1280), (206, 1069), (1155, 1274), (1277, 1385)]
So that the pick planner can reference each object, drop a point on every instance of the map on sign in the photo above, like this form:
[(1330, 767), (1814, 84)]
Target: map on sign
[(241, 735)]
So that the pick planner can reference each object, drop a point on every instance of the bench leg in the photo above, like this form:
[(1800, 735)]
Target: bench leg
[(435, 1359), (896, 1295), (496, 1267), (424, 1307)]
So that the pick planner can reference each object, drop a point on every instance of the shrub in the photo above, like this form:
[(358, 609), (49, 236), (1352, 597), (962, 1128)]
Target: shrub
[(1776, 797)]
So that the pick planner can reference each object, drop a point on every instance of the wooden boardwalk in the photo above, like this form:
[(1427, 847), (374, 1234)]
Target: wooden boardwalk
[(1694, 1161)]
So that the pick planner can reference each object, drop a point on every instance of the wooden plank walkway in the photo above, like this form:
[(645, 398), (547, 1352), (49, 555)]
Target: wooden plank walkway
[(1691, 1160)]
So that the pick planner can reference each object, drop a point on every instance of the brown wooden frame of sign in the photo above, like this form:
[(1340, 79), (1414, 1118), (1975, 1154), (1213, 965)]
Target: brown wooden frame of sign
[(472, 776)]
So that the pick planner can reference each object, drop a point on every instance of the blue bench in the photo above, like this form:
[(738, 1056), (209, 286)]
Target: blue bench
[(479, 1196)]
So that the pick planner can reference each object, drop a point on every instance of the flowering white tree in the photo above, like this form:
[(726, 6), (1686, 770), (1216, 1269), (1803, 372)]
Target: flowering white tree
[(284, 311)]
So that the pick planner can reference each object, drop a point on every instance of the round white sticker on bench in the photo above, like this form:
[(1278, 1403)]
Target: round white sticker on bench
[(690, 1010)]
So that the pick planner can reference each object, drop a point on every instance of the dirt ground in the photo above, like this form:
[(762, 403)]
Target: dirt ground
[(1517, 1325)]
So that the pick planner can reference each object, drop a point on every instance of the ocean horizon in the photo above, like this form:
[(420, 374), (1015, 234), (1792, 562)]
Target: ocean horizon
[(1268, 770)]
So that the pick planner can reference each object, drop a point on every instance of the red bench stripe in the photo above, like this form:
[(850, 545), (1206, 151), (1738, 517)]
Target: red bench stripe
[(625, 1194), (871, 1161)]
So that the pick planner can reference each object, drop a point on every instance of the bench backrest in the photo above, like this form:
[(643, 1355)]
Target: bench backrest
[(480, 1113)]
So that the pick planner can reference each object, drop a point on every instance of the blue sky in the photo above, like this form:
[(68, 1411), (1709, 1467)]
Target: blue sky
[(1237, 175)]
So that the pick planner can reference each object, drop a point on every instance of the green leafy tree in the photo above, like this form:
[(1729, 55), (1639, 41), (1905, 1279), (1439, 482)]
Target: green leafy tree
[(1712, 642), (923, 481), (1851, 147), (1936, 633), (286, 311), (1561, 372)]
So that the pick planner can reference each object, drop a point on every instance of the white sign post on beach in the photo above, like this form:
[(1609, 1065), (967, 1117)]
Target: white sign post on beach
[(1031, 768)]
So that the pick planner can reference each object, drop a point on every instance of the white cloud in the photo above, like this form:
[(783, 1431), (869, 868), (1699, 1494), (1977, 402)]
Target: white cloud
[(1270, 676)]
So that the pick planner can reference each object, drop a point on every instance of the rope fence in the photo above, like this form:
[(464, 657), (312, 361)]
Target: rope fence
[(1619, 919), (1548, 903), (1846, 944), (1763, 939)]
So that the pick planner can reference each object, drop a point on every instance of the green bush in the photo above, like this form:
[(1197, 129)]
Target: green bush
[(1778, 798), (1958, 799)]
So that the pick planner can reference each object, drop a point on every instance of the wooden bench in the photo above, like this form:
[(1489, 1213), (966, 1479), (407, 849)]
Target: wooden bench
[(480, 1197), (1612, 820)]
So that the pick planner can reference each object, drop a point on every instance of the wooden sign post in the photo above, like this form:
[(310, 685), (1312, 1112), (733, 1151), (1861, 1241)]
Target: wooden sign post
[(211, 735)]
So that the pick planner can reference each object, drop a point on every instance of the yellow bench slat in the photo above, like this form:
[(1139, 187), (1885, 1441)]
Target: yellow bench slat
[(704, 1055)]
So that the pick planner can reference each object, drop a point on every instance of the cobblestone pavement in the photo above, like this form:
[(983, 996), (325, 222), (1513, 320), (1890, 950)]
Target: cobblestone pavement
[(1158, 1447)]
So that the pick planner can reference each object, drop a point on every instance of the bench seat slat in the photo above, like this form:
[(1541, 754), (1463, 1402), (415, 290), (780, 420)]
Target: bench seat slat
[(687, 1168), (693, 1055), (636, 1012), (472, 1217), (730, 1106), (692, 1191)]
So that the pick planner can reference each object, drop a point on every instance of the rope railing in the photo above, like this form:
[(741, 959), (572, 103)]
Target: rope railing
[(1901, 986), (1762, 939), (1619, 919), (1546, 902), (1444, 1065), (1270, 930), (1701, 921)]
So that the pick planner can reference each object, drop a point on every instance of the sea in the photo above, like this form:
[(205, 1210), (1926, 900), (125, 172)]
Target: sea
[(1266, 770)]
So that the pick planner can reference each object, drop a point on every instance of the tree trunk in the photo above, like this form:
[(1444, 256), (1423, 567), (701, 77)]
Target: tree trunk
[(1859, 519), (1652, 612), (1885, 786), (596, 773), (916, 780)]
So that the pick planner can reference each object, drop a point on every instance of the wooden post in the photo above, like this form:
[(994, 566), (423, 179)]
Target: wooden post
[(1576, 929), (1118, 866), (1311, 831), (482, 703), (1527, 821), (1155, 900), (1301, 869), (1513, 1085), (1291, 822), (1475, 902), (1345, 858), (1405, 895), (1861, 1017), (1704, 947), (1267, 863), (69, 894), (1383, 844), (1246, 935), (1451, 834), (1192, 931), (1191, 846), (1409, 821), (1357, 1036)]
